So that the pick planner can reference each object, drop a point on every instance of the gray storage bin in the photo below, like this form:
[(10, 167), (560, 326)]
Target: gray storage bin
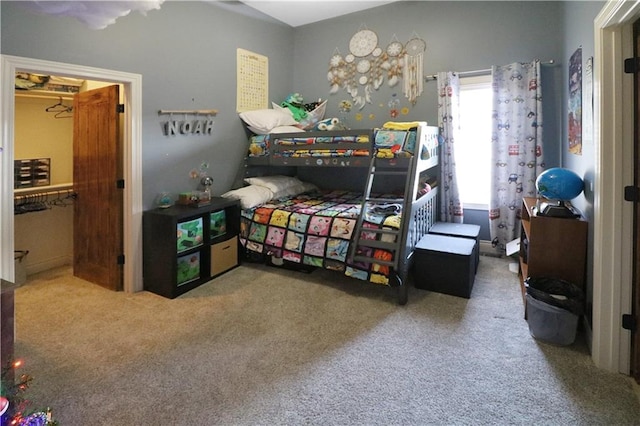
[(462, 230), (550, 323), (445, 264)]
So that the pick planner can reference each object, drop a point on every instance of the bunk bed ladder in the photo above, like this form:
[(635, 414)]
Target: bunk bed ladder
[(395, 243)]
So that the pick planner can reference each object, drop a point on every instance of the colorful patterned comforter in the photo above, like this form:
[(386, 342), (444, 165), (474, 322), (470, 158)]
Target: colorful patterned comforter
[(316, 229)]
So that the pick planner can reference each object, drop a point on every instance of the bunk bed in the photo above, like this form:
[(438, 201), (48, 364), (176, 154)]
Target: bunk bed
[(369, 235)]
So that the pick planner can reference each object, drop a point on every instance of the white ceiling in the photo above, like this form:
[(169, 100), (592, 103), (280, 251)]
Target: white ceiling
[(301, 12), (295, 13)]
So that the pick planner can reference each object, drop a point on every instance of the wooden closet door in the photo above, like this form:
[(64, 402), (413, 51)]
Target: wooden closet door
[(97, 230)]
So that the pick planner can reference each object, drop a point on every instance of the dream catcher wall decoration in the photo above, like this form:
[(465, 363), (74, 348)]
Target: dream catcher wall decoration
[(394, 61), (413, 69), (366, 66), (360, 71)]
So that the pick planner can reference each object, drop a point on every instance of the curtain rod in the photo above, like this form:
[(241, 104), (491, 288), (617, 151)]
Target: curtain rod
[(476, 72)]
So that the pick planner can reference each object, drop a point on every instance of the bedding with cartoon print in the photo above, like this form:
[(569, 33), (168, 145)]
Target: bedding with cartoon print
[(387, 143), (259, 145), (315, 229)]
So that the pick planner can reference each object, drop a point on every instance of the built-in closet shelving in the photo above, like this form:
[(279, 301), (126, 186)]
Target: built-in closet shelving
[(43, 94)]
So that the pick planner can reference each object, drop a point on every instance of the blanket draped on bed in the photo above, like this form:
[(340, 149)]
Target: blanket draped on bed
[(316, 228)]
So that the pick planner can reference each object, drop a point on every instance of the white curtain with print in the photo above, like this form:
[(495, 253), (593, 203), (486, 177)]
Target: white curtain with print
[(449, 124), (517, 155)]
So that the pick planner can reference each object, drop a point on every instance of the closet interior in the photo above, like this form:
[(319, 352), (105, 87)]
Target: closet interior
[(43, 172)]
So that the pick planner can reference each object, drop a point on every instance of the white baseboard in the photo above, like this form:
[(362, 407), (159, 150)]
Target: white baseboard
[(45, 265), (486, 249)]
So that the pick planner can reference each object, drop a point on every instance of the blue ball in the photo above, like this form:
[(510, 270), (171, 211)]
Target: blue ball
[(559, 184)]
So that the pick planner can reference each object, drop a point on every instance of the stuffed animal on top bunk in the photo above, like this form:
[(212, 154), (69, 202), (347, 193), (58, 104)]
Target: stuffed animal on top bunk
[(295, 103), (385, 153), (258, 145), (330, 124)]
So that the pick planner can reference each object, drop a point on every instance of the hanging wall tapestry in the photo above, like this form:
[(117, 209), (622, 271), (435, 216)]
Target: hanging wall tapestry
[(575, 103)]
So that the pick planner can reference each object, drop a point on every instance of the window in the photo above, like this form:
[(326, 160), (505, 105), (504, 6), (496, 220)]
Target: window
[(473, 147)]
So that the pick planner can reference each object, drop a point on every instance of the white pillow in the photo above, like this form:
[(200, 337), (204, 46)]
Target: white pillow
[(308, 187), (286, 129), (261, 121), (274, 183), (277, 107), (250, 196), (294, 190), (299, 189)]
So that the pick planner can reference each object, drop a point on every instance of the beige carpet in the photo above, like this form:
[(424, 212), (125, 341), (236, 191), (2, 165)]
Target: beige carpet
[(263, 346)]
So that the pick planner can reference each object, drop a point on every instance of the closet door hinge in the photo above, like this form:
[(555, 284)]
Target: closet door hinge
[(120, 108), (631, 65), (120, 184), (631, 193), (629, 322), (120, 259)]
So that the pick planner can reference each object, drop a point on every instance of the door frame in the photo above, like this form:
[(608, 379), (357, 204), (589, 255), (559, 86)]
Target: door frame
[(613, 217), (132, 158)]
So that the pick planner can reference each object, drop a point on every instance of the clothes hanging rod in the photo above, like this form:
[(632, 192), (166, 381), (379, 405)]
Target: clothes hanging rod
[(189, 111), (42, 96), (45, 194), (476, 72), (37, 189)]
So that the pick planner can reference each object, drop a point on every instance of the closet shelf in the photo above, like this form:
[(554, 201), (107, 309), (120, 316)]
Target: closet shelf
[(43, 94)]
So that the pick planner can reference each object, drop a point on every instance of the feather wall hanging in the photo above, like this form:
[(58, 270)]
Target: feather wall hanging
[(413, 69), (360, 71), (393, 61), (366, 67)]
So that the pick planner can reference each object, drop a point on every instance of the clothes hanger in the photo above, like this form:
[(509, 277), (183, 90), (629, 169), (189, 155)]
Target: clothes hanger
[(60, 109), (65, 113), (57, 107)]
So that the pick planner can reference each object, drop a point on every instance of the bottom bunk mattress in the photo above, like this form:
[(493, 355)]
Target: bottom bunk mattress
[(316, 229)]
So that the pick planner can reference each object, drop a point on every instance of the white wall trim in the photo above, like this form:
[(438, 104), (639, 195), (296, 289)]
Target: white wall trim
[(613, 140), (132, 131)]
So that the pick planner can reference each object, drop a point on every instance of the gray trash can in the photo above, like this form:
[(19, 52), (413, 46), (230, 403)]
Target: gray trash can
[(554, 307)]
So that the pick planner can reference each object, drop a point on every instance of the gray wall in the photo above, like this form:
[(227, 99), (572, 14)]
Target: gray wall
[(186, 54), (577, 21), (460, 36)]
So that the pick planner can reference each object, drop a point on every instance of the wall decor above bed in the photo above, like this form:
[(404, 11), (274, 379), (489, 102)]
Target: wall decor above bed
[(413, 68), (367, 65)]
